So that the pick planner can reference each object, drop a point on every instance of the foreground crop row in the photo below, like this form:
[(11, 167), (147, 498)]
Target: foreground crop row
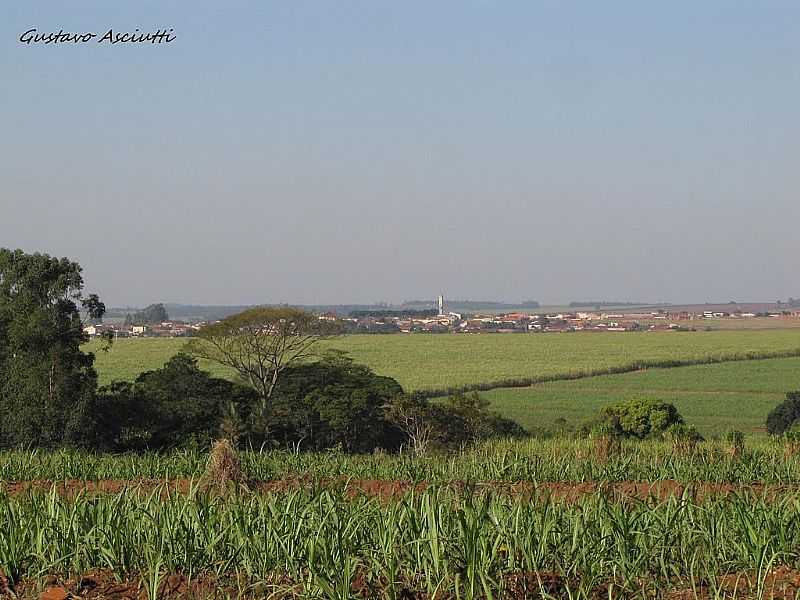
[(318, 544), (769, 461)]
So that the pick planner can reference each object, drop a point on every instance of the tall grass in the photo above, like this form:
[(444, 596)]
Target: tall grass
[(466, 546), (556, 459)]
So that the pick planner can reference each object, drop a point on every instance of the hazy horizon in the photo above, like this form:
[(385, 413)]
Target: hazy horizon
[(360, 152), (432, 301)]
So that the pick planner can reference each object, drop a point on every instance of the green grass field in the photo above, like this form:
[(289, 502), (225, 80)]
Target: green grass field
[(715, 398), (436, 361)]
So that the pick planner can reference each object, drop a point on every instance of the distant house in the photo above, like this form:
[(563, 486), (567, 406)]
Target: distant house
[(472, 326)]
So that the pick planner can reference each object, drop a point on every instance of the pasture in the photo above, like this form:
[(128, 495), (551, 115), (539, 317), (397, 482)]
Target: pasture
[(715, 398), (422, 362)]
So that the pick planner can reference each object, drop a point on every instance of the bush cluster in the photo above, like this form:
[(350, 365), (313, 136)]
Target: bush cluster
[(319, 405), (175, 406), (639, 419), (331, 403)]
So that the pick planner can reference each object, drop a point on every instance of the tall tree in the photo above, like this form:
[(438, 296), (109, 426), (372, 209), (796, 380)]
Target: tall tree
[(260, 343), (47, 383), (155, 313)]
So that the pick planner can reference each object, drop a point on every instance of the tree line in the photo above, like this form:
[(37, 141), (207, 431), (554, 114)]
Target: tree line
[(285, 392)]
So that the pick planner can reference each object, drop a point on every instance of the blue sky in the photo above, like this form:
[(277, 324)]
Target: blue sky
[(319, 152)]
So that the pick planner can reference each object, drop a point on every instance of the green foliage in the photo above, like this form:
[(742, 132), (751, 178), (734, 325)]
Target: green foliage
[(331, 403), (552, 459), (785, 415), (437, 543), (714, 397), (641, 418), (175, 406), (734, 437), (258, 344), (47, 383), (603, 429), (460, 420), (467, 418)]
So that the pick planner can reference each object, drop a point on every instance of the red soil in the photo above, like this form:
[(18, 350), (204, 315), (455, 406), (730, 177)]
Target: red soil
[(782, 583), (391, 489)]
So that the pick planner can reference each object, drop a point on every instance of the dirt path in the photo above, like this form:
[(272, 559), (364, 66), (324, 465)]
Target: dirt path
[(392, 489)]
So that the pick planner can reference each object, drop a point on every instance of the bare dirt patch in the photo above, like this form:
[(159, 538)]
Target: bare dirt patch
[(392, 489), (783, 583)]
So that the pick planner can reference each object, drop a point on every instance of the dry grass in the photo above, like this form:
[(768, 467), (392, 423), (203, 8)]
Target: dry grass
[(224, 471), (605, 446), (791, 449), (734, 451), (684, 447)]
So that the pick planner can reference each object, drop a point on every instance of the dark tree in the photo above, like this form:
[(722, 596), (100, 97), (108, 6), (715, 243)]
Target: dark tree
[(334, 402), (460, 419), (47, 383), (787, 413), (416, 418), (175, 406), (468, 418), (153, 314)]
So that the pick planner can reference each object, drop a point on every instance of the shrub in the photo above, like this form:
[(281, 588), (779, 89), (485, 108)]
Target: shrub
[(414, 416), (330, 403), (466, 418), (470, 413), (459, 420), (782, 417), (641, 418)]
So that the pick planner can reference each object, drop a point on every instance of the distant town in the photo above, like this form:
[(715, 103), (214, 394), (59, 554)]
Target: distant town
[(154, 320)]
